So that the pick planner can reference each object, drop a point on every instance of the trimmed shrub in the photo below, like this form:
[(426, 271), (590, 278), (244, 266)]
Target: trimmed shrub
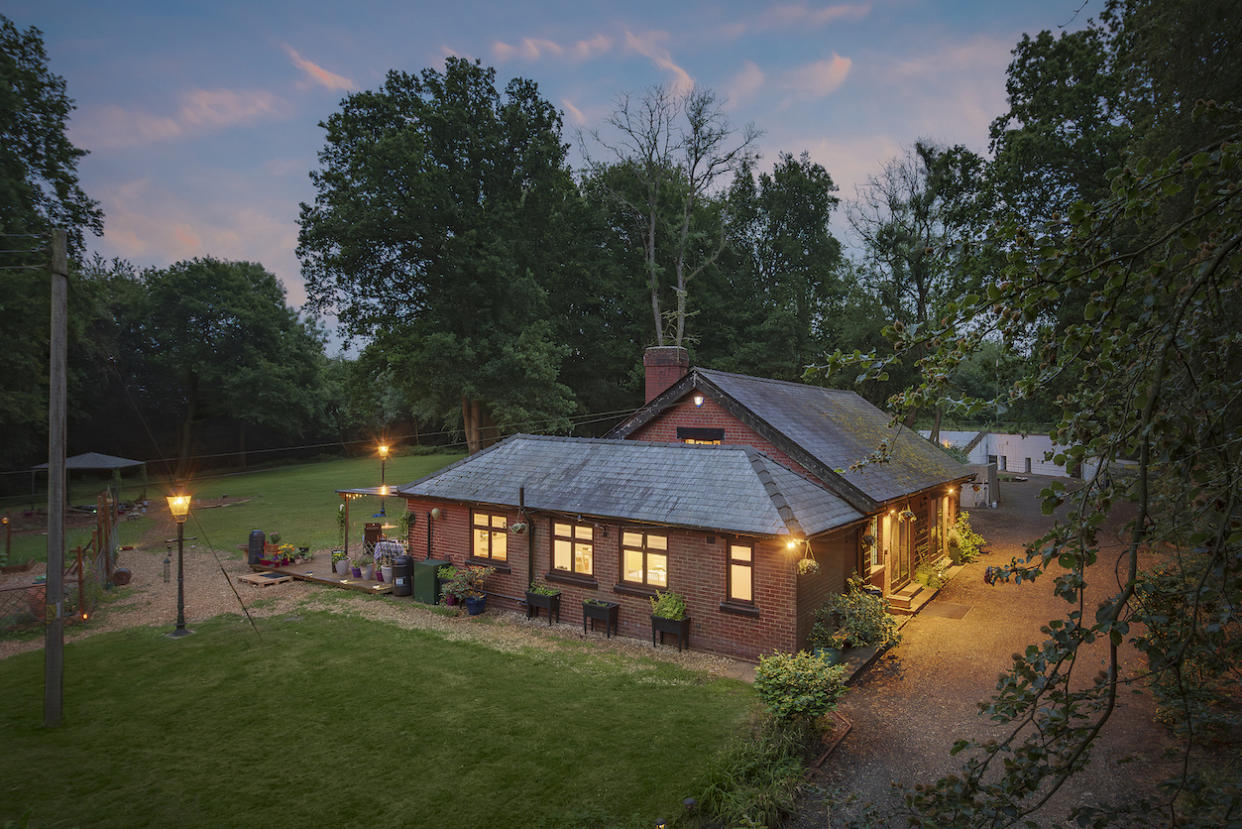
[(965, 544), (854, 618), (798, 686)]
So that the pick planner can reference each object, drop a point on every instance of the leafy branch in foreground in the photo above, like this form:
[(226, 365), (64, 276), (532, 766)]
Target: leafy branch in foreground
[(1156, 359)]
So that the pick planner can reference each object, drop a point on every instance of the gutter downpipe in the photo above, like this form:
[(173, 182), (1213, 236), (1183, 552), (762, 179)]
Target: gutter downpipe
[(530, 537)]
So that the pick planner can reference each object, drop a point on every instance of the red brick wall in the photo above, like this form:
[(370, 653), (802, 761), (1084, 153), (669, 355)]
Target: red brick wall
[(711, 415), (696, 571), (662, 367), (837, 555)]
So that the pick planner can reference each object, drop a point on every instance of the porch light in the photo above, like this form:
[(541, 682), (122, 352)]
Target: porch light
[(952, 490), (791, 544), (698, 400)]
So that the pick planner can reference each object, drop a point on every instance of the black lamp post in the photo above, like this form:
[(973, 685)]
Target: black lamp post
[(383, 453), (179, 506)]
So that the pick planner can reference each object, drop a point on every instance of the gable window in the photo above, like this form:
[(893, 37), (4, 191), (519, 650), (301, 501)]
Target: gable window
[(644, 558), (695, 434), (741, 572), (573, 548), (489, 536)]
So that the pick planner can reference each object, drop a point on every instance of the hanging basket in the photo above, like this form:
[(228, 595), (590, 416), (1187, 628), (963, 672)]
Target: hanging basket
[(807, 566)]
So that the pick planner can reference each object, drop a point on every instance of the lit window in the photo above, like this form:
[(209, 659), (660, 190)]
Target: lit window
[(644, 558), (573, 548), (741, 570), (490, 536)]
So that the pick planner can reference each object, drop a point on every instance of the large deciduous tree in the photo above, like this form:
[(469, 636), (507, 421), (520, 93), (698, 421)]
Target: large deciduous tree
[(218, 340), (778, 225), (670, 153), (434, 230), (38, 191)]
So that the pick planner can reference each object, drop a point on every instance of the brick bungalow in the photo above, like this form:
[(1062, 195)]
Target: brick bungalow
[(715, 488)]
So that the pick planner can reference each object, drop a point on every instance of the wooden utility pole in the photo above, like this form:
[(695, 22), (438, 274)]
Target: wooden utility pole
[(54, 632)]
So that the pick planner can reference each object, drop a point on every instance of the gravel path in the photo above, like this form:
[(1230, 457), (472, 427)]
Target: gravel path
[(922, 695)]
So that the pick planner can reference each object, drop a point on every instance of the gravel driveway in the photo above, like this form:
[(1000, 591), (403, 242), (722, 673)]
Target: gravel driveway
[(921, 696)]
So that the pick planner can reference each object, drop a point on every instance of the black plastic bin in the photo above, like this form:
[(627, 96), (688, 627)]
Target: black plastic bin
[(255, 551), (403, 576)]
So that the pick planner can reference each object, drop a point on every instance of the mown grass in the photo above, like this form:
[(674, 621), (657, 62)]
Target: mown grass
[(299, 502), (336, 721)]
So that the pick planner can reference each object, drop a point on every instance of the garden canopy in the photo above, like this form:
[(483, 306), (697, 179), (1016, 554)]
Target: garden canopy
[(95, 460)]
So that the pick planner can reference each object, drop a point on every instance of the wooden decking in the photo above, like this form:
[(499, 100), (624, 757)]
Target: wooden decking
[(319, 572)]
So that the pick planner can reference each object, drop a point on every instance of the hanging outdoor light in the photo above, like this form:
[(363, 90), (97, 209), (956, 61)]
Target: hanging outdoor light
[(179, 506), (698, 400)]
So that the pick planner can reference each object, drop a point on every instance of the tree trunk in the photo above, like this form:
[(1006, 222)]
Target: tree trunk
[(654, 276), (241, 441), (470, 423), (186, 442), (934, 437)]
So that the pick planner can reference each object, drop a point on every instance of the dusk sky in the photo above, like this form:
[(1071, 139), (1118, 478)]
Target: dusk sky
[(201, 118)]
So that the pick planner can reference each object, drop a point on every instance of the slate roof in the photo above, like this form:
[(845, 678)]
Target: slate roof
[(834, 427), (840, 428), (725, 488)]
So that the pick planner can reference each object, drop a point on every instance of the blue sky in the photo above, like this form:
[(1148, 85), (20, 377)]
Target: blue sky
[(201, 118)]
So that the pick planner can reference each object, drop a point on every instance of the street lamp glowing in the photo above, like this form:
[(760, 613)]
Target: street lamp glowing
[(179, 506), (383, 451)]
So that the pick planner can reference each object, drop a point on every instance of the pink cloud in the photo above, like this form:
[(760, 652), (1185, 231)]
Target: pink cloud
[(794, 14), (821, 77), (201, 111), (317, 73), (649, 45), (534, 48), (744, 84), (574, 112), (225, 107)]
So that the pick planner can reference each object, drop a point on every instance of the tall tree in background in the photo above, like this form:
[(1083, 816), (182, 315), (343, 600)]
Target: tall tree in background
[(436, 210), (778, 224), (221, 337), (38, 191), (672, 152), (916, 220)]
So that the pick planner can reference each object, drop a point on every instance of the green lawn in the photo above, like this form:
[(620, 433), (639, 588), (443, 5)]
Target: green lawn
[(336, 721), (299, 502)]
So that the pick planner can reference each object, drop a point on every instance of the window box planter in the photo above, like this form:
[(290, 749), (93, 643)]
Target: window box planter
[(680, 627), (605, 612), (551, 605)]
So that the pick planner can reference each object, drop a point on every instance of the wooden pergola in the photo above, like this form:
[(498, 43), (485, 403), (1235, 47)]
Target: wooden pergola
[(348, 495)]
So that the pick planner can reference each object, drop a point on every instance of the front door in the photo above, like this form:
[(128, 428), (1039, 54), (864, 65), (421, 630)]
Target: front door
[(903, 554)]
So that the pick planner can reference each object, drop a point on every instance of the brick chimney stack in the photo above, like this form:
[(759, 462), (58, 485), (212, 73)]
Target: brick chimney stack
[(664, 365)]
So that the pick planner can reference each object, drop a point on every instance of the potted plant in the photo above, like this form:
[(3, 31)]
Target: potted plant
[(385, 563), (451, 584), (598, 609), (543, 596), (340, 563), (364, 567), (476, 599), (668, 615)]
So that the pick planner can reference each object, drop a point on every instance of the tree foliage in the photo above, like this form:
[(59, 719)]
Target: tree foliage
[(220, 339), (434, 227)]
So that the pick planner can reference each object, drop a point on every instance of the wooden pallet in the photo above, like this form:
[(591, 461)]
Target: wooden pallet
[(264, 579)]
